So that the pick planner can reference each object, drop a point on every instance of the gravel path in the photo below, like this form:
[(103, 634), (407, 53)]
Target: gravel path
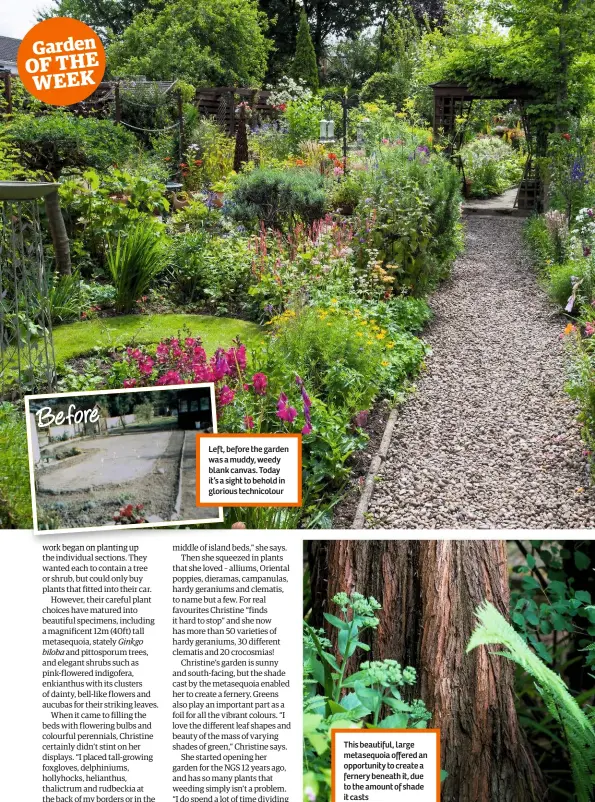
[(490, 438)]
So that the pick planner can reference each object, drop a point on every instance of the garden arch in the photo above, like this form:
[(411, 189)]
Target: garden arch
[(453, 101)]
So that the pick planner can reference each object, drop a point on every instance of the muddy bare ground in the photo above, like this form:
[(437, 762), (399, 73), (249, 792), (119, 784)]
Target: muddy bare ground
[(157, 491)]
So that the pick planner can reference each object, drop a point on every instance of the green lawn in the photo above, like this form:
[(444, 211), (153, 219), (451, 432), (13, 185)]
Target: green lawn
[(77, 339)]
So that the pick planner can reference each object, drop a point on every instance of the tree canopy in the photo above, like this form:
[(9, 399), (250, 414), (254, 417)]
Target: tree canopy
[(211, 43)]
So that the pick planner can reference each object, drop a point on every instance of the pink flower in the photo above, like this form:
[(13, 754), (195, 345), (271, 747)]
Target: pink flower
[(171, 377), (226, 395), (338, 171), (249, 422), (129, 382), (285, 412), (259, 382), (306, 429), (145, 365), (589, 329), (162, 352), (385, 141), (237, 355), (189, 342)]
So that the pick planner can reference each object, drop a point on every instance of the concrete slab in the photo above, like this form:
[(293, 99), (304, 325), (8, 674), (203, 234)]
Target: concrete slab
[(109, 461), (188, 509), (499, 205)]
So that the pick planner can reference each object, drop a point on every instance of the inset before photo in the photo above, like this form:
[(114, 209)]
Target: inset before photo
[(117, 458)]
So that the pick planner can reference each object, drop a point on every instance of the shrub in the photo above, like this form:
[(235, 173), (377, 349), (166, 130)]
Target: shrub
[(211, 269), (344, 195), (133, 262), (278, 198), (388, 86), (57, 141)]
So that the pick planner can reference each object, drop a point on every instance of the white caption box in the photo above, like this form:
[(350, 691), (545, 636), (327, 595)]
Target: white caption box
[(243, 470), (385, 765)]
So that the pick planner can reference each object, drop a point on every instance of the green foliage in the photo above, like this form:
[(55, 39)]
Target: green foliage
[(492, 166), (303, 117), (15, 496), (538, 241), (133, 263), (216, 43), (304, 65), (344, 195), (561, 280), (144, 413), (65, 298), (58, 140), (344, 359), (215, 270), (388, 86), (334, 700), (277, 199), (98, 207), (576, 726), (548, 600), (412, 214)]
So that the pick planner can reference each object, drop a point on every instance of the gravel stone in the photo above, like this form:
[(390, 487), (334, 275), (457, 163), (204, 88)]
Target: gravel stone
[(490, 440)]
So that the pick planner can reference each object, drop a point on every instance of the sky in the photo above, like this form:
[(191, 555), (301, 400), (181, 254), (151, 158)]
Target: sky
[(17, 16)]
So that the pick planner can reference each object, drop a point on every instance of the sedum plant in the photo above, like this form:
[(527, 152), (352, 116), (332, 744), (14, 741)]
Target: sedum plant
[(577, 726), (370, 697)]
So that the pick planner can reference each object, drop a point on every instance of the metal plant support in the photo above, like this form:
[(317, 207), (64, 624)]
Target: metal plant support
[(27, 362)]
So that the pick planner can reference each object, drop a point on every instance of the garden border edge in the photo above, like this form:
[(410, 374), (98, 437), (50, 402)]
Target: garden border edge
[(375, 465)]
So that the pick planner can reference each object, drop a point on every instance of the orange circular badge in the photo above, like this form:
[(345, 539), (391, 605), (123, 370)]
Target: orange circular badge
[(61, 61)]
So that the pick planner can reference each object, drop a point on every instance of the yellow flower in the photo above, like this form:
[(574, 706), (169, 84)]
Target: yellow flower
[(369, 342), (390, 345), (329, 324), (359, 334), (334, 301), (380, 336), (364, 323), (357, 313), (384, 363)]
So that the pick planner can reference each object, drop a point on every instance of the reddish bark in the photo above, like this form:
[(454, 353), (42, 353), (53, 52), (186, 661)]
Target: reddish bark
[(429, 591)]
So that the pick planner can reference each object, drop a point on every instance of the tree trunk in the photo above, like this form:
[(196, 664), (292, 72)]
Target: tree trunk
[(429, 591), (58, 233)]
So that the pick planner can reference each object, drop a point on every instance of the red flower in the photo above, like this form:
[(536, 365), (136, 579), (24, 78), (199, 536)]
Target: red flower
[(249, 422), (198, 162), (566, 137)]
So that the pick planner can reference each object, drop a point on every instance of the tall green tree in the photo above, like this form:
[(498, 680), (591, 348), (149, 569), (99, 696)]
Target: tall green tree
[(213, 42), (304, 64), (104, 16), (559, 36)]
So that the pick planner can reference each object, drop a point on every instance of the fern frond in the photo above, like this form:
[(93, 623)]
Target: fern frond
[(577, 727)]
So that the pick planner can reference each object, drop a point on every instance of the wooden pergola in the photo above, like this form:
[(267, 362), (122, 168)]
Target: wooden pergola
[(453, 101)]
